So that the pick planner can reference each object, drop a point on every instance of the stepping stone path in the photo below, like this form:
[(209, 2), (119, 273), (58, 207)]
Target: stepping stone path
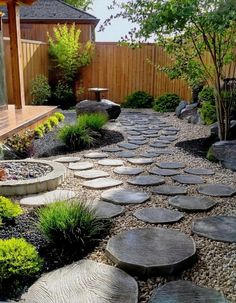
[(158, 215), (217, 190), (67, 159), (169, 190), (171, 165), (81, 165), (124, 196), (111, 149), (125, 170), (102, 183), (164, 151), (168, 138), (47, 198), (218, 228), (163, 141), (127, 145), (84, 281), (142, 161), (188, 179), (148, 180), (163, 172), (151, 251), (111, 162), (136, 142), (199, 171), (150, 155), (105, 210), (96, 155), (126, 154), (91, 174), (189, 203), (158, 145), (185, 292)]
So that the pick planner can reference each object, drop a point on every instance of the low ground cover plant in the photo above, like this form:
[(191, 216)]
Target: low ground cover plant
[(48, 125), (8, 209), (166, 103), (22, 143), (138, 99)]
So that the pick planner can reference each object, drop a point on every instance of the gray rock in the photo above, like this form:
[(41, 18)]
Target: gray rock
[(124, 196), (102, 183), (106, 107), (126, 154), (150, 132), (169, 190), (190, 203), (225, 152), (127, 145), (81, 165), (180, 107), (105, 210), (151, 251), (142, 161), (146, 180), (96, 155), (158, 145), (150, 155), (84, 281), (162, 141), (67, 159), (110, 162), (158, 215), (188, 179), (133, 171), (91, 174), (185, 292), (217, 190), (171, 165), (111, 149), (133, 133), (232, 131), (168, 138), (137, 142), (199, 171), (218, 228), (163, 172)]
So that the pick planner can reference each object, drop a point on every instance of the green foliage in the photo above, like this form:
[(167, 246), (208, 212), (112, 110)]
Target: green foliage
[(207, 95), (18, 259), (67, 51), (166, 103), (210, 155), (138, 99), (53, 121), (60, 117), (69, 224), (22, 143), (63, 94), (75, 136), (40, 90), (94, 121), (82, 4), (208, 113), (8, 209), (47, 126), (39, 132)]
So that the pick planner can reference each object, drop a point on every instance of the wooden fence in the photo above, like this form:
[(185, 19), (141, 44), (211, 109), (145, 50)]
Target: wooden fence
[(35, 61)]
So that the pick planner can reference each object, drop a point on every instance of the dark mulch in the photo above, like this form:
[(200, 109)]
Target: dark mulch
[(197, 147)]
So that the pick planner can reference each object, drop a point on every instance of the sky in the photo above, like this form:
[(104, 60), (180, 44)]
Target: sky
[(116, 30)]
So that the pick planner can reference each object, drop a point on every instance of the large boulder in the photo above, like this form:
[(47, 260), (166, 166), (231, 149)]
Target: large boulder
[(225, 152), (180, 107), (107, 107), (232, 131), (190, 114)]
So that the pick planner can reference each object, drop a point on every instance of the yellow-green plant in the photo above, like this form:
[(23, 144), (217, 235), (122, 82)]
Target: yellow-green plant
[(9, 209), (53, 121), (60, 117)]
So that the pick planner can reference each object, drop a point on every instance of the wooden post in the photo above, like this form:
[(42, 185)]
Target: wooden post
[(16, 56), (3, 85)]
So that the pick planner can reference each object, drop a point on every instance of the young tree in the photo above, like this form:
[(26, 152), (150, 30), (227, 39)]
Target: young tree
[(82, 4), (187, 29)]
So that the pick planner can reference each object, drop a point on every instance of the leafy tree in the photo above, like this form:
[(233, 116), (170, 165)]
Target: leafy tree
[(187, 29), (82, 4)]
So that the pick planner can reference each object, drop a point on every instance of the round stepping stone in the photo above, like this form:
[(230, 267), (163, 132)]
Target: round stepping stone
[(158, 215), (168, 133), (188, 179), (91, 174), (124, 196), (185, 292), (127, 145), (84, 281), (172, 129), (168, 138), (111, 149), (216, 190), (47, 198), (95, 155), (150, 132), (199, 171), (163, 172), (164, 151), (150, 155), (136, 142), (169, 190), (151, 251), (81, 165), (105, 210), (218, 228), (111, 162), (146, 180), (142, 161), (126, 154), (189, 203), (102, 183), (158, 145), (138, 138), (67, 159), (133, 171), (170, 165), (133, 133), (163, 141)]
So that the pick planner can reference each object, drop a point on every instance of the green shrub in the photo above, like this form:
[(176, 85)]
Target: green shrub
[(38, 132), (167, 103), (63, 94), (92, 121), (40, 90), (208, 113), (75, 136), (47, 126), (18, 259), (53, 121), (60, 117), (207, 95), (210, 155), (69, 224), (9, 209), (22, 143), (138, 99)]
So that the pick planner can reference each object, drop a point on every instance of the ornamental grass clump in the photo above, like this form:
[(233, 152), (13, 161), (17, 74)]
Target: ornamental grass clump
[(69, 225), (94, 121), (9, 210)]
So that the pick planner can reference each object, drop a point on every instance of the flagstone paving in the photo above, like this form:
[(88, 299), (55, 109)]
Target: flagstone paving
[(163, 172), (112, 149), (81, 165), (127, 145), (171, 165), (96, 155), (106, 210), (110, 162), (188, 179), (158, 215), (126, 170), (217, 190), (142, 161), (91, 174), (169, 190), (125, 196), (199, 171), (126, 154), (102, 183), (147, 180), (67, 159), (189, 203)]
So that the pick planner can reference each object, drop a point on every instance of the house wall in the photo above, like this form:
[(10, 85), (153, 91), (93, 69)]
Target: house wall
[(38, 31)]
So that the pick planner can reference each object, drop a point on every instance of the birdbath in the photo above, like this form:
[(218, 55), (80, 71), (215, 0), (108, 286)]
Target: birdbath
[(98, 92)]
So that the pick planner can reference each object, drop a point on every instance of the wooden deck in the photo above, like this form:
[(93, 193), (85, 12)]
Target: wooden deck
[(16, 120)]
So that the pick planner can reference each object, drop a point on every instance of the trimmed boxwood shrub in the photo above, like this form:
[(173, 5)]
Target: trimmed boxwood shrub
[(8, 209), (208, 113), (53, 121), (167, 103), (60, 117), (139, 99)]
